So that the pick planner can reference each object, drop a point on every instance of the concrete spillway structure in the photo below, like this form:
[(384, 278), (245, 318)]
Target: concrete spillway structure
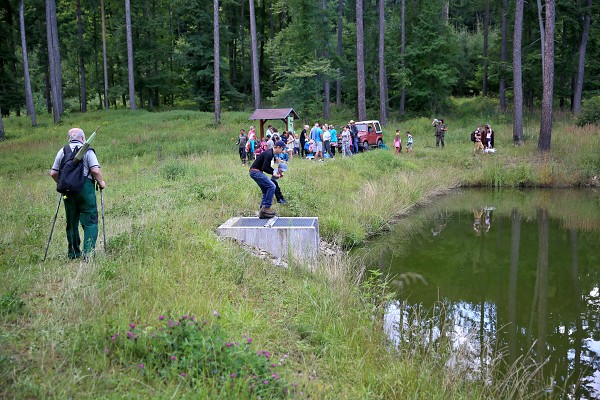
[(284, 237)]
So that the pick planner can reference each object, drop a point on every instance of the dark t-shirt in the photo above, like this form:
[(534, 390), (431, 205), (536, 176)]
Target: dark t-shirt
[(263, 162)]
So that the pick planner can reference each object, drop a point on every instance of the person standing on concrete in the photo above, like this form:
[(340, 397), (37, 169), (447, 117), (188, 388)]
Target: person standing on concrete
[(259, 167), (81, 207)]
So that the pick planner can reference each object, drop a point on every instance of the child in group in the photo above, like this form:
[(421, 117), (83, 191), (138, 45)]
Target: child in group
[(409, 143), (346, 142), (309, 149), (278, 171), (262, 147), (398, 142)]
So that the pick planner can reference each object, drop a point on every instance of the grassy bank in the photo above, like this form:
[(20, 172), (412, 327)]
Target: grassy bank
[(172, 178)]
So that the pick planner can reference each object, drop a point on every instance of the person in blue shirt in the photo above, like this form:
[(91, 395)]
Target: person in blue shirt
[(334, 139)]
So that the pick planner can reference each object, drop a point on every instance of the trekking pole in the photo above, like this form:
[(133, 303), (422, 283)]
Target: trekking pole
[(52, 230), (103, 224)]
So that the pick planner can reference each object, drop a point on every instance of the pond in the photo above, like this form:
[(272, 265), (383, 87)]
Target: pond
[(510, 275)]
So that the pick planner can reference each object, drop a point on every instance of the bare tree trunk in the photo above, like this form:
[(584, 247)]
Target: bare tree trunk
[(105, 62), (244, 64), (503, 56), (2, 135), (542, 34), (360, 61), (581, 65), (217, 62), (326, 83), (81, 60), (27, 81), (54, 59), (403, 52), (255, 80), (382, 77), (132, 104), (338, 52), (546, 124), (486, 30), (518, 75)]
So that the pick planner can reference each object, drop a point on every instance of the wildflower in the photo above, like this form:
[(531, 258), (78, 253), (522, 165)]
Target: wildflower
[(170, 324), (173, 358), (294, 384), (233, 375), (113, 337), (140, 365), (227, 344), (183, 374), (275, 376), (273, 365), (130, 335), (106, 350), (265, 382), (267, 354), (161, 317), (185, 317), (132, 326), (249, 340), (216, 314)]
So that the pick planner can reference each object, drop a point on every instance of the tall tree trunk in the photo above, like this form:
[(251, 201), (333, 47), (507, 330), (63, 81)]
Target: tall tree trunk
[(445, 11), (382, 77), (326, 83), (244, 64), (104, 60), (486, 30), (54, 59), (518, 75), (255, 80), (27, 80), (96, 69), (542, 34), (217, 62), (581, 64), (338, 52), (360, 61), (48, 91), (402, 52), (546, 124), (81, 60), (503, 56), (2, 134), (130, 70)]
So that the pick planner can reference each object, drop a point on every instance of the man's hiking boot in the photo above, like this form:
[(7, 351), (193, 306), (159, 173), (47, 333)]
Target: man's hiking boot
[(266, 213)]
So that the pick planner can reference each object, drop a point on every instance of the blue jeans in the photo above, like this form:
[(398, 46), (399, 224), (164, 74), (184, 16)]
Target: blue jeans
[(355, 145), (267, 187)]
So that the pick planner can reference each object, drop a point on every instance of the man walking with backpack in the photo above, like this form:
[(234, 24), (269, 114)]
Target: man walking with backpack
[(75, 180)]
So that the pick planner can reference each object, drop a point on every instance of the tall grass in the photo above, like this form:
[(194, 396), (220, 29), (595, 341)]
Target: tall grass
[(172, 178)]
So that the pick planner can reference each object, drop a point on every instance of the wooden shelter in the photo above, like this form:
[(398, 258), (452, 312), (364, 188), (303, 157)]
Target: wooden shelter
[(287, 115)]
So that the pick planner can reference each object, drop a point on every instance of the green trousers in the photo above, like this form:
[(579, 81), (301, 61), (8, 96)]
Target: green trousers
[(82, 208)]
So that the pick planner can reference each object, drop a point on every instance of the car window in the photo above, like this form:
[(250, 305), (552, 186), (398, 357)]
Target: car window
[(377, 127), (370, 129), (361, 127)]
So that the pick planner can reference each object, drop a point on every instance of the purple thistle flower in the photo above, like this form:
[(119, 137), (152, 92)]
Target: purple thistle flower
[(132, 326), (140, 365), (275, 376), (113, 337), (183, 374), (249, 340), (170, 324), (273, 365), (106, 350), (227, 344), (161, 317), (294, 384), (234, 375), (130, 335), (184, 317), (265, 382), (216, 314), (267, 354), (173, 358)]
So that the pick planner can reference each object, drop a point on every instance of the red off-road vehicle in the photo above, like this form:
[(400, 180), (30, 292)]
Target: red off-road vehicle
[(369, 134)]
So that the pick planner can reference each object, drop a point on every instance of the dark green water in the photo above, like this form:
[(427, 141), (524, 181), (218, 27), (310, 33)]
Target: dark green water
[(511, 274)]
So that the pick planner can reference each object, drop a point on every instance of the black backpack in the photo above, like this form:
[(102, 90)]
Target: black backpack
[(70, 173), (473, 136)]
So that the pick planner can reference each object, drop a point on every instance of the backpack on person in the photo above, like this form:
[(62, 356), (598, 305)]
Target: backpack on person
[(70, 174), (473, 136)]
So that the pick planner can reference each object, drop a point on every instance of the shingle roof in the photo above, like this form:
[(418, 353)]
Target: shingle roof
[(273, 113)]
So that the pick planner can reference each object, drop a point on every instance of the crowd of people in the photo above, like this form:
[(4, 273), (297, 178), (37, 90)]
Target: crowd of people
[(483, 137)]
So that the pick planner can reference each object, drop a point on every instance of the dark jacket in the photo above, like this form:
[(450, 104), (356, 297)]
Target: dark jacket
[(263, 162)]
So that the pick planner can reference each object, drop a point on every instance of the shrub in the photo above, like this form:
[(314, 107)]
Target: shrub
[(590, 112), (199, 353)]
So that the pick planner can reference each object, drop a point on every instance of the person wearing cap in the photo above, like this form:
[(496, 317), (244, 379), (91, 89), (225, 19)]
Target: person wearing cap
[(259, 167), (440, 131), (354, 136), (278, 171)]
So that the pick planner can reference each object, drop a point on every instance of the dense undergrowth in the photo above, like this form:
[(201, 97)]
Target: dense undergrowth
[(172, 178)]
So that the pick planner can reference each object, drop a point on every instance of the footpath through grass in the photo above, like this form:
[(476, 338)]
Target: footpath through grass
[(122, 326)]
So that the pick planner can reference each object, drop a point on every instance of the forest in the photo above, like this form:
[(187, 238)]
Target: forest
[(386, 57)]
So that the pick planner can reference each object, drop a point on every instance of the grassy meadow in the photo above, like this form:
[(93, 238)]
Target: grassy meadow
[(172, 178)]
